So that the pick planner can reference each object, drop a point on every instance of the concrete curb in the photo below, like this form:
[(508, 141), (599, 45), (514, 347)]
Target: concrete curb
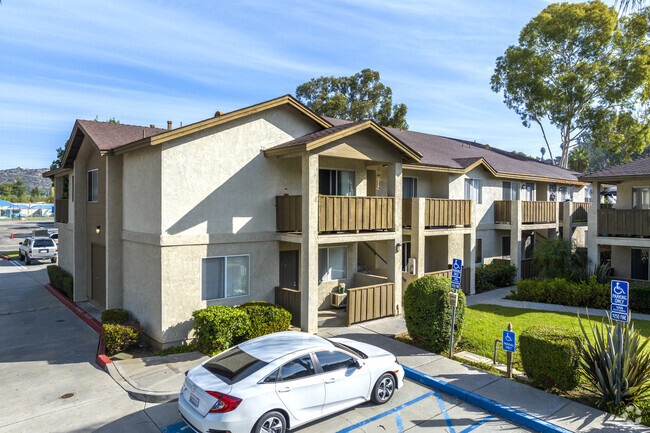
[(3, 257), (139, 394), (101, 358), (492, 406)]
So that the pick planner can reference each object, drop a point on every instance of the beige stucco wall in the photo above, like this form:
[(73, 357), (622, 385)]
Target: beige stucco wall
[(66, 246), (141, 190)]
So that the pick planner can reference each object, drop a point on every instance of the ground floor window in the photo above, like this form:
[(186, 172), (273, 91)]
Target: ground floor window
[(505, 246), (332, 263), (225, 277), (406, 255), (639, 268), (479, 251)]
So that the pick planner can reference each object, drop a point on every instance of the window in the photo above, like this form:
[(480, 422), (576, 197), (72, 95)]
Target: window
[(332, 263), (589, 193), (641, 198), (505, 246), (271, 378), (336, 182), (92, 185), (639, 268), (565, 193), (510, 191), (409, 187), (406, 255), (297, 369), (234, 365), (479, 251), (225, 277), (473, 190), (40, 243), (333, 360), (529, 193)]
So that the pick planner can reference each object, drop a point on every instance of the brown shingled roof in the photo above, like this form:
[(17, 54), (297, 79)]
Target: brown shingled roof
[(638, 167), (315, 135), (108, 136)]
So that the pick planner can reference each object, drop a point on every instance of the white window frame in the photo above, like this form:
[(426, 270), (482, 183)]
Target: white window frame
[(225, 277), (524, 190), (338, 187), (635, 205), (473, 190), (515, 190), (90, 186), (415, 186), (328, 277), (476, 255)]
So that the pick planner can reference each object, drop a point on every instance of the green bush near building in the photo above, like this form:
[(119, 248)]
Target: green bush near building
[(551, 357), (61, 280), (118, 336), (427, 313), (115, 315), (590, 293), (265, 318), (494, 275)]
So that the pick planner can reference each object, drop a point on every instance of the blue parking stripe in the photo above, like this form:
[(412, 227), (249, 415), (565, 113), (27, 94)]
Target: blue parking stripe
[(478, 423), (444, 412), (398, 420), (383, 414), (180, 427)]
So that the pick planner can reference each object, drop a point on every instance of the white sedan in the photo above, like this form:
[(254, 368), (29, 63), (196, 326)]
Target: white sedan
[(283, 380)]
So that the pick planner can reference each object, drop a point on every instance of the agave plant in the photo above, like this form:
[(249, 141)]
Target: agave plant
[(615, 363)]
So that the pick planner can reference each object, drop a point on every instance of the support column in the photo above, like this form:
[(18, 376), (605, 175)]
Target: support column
[(113, 223), (309, 250), (394, 258), (418, 248), (515, 237), (591, 236), (566, 222), (471, 248)]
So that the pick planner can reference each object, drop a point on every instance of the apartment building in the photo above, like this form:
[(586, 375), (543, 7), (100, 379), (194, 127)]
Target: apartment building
[(620, 232), (275, 203)]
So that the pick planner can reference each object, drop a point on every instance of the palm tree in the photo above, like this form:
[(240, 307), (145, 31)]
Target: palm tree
[(543, 150), (631, 5)]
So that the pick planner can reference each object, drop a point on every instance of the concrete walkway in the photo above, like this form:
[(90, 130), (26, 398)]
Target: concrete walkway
[(168, 371), (497, 297)]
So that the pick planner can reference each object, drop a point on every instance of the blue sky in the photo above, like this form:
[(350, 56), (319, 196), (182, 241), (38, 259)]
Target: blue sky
[(146, 62)]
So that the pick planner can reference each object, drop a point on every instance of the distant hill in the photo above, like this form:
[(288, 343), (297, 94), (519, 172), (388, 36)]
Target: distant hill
[(31, 176)]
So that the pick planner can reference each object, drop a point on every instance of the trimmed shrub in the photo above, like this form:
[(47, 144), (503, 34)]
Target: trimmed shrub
[(560, 291), (61, 280), (119, 337), (551, 357), (115, 316), (265, 318), (494, 275), (428, 314), (219, 327), (640, 298)]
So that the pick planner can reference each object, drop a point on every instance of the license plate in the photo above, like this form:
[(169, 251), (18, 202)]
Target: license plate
[(42, 251), (194, 400)]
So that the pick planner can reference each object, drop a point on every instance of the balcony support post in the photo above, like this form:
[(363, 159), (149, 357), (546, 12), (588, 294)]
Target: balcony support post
[(309, 245), (418, 241), (515, 236), (394, 258), (470, 255), (592, 227), (567, 219)]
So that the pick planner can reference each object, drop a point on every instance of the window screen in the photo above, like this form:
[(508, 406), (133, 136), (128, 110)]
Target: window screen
[(473, 190), (505, 246), (409, 187), (479, 250), (92, 185), (641, 198), (225, 277), (332, 263)]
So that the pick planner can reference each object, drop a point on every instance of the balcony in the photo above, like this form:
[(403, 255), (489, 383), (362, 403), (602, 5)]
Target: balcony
[(439, 212), (61, 210), (624, 222), (338, 213), (579, 211), (532, 212)]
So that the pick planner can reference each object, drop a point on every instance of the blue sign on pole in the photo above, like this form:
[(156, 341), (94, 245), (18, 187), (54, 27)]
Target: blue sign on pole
[(456, 269), (620, 292), (508, 341)]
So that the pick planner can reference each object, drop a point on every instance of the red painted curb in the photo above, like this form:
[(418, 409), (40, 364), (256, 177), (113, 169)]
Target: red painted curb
[(3, 257), (94, 324)]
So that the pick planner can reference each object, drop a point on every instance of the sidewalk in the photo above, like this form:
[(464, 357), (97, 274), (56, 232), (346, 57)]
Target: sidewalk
[(155, 378), (496, 297)]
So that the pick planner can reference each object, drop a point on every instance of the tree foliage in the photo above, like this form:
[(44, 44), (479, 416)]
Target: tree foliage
[(583, 70), (59, 158), (358, 97), (579, 159)]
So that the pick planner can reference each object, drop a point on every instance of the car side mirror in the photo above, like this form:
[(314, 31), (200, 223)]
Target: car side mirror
[(357, 364)]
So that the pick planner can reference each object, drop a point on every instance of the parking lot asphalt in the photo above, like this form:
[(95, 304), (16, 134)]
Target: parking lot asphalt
[(20, 230)]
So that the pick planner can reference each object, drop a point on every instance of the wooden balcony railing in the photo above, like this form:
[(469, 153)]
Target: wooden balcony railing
[(370, 302), (61, 210), (353, 214), (289, 299), (440, 212), (580, 210), (288, 213), (465, 275), (538, 212), (624, 222), (502, 211)]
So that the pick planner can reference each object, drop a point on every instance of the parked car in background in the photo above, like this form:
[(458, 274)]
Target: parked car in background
[(283, 380), (38, 248)]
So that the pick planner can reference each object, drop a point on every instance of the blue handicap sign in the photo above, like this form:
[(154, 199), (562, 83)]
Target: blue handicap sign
[(455, 286), (620, 292), (622, 309), (619, 317), (508, 341)]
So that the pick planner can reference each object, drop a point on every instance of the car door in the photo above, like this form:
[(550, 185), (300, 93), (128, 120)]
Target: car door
[(347, 382), (300, 389)]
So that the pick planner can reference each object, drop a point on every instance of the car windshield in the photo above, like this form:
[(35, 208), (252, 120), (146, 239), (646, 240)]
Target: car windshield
[(233, 365), (352, 350), (43, 243)]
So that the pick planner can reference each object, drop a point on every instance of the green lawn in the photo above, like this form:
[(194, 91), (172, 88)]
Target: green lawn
[(11, 254), (485, 323)]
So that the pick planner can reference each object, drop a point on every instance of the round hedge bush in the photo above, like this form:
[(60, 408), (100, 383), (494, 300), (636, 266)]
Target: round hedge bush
[(551, 357), (428, 314)]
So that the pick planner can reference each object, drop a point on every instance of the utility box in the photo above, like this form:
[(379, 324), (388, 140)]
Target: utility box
[(453, 299)]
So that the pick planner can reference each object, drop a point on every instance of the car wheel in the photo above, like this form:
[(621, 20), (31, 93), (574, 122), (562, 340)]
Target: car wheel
[(54, 260), (21, 257), (28, 261), (384, 389), (271, 422)]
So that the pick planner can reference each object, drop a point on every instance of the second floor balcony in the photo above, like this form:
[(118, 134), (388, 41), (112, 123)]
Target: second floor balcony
[(338, 213), (439, 212), (532, 212), (61, 210), (624, 222)]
